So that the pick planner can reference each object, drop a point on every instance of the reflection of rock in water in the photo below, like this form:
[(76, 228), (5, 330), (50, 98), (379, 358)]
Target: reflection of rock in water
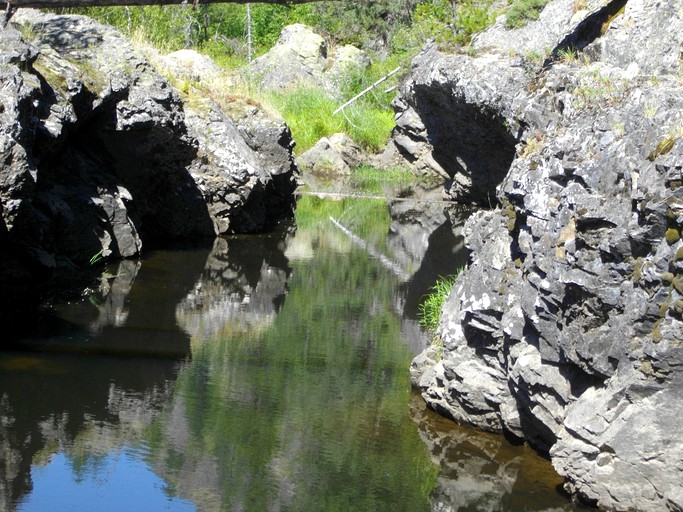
[(482, 471), (244, 284), (113, 310), (426, 239), (101, 378)]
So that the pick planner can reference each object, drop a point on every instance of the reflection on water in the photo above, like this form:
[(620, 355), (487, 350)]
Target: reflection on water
[(269, 373)]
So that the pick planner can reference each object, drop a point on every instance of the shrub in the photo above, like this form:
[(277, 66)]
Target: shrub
[(523, 11)]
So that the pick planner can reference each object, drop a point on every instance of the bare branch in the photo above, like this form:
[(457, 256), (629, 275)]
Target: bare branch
[(102, 3)]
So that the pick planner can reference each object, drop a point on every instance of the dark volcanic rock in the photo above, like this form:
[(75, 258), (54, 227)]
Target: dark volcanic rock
[(100, 155), (566, 328)]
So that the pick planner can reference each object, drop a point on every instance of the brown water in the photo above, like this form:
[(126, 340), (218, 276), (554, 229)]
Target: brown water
[(268, 373)]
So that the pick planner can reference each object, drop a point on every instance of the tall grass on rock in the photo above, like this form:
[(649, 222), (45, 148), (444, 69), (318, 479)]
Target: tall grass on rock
[(309, 113), (430, 308)]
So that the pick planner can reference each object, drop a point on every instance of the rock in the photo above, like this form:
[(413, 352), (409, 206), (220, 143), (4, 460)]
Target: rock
[(336, 155), (192, 66), (474, 144), (267, 134), (298, 58), (565, 329), (301, 58), (102, 157)]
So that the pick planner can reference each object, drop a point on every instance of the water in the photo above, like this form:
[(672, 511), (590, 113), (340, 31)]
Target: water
[(265, 374)]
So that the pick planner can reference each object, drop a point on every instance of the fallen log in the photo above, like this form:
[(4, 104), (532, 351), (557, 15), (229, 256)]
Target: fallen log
[(102, 3), (11, 6)]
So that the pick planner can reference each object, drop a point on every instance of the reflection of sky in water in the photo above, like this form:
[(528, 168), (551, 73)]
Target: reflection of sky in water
[(120, 482)]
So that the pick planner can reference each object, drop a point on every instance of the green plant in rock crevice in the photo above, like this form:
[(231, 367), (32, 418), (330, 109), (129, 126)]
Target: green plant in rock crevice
[(430, 308)]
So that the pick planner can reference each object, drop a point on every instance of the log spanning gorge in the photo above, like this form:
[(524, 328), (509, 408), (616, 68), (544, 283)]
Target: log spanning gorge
[(204, 365)]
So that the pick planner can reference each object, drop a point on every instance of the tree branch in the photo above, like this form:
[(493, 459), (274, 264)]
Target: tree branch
[(102, 3)]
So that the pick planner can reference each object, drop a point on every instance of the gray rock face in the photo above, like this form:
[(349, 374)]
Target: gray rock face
[(301, 58), (101, 157), (335, 155), (566, 328)]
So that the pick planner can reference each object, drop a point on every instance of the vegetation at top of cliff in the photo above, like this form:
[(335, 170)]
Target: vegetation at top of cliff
[(523, 11), (387, 27), (391, 32)]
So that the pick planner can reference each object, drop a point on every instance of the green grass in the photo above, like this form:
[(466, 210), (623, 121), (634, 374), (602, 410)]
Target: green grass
[(309, 114), (430, 308)]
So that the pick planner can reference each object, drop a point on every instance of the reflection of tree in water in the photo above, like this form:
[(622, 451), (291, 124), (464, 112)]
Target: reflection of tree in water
[(307, 412), (100, 380)]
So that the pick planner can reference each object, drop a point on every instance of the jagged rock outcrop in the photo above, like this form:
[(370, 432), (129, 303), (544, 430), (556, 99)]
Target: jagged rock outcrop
[(566, 328), (102, 156)]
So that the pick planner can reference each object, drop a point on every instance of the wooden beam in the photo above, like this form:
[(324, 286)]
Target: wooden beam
[(101, 3)]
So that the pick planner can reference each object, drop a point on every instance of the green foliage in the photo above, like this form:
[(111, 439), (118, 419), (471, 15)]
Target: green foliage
[(97, 257), (447, 22), (168, 27), (430, 308), (220, 29), (523, 11), (309, 113)]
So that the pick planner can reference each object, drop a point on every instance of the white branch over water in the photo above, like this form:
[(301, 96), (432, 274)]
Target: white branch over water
[(392, 266), (366, 90)]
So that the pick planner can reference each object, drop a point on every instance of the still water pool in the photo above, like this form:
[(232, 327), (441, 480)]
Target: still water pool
[(267, 373)]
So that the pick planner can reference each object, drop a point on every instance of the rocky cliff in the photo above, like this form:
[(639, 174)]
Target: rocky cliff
[(566, 329), (102, 157)]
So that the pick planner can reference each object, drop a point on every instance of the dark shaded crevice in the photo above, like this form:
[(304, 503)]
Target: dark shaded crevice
[(579, 380), (152, 165), (590, 29), (472, 144)]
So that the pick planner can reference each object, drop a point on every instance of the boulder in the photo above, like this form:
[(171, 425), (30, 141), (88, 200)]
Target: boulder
[(302, 58), (565, 329), (335, 155), (298, 58)]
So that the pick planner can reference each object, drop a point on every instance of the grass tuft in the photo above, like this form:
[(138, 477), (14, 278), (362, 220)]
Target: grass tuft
[(430, 309)]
